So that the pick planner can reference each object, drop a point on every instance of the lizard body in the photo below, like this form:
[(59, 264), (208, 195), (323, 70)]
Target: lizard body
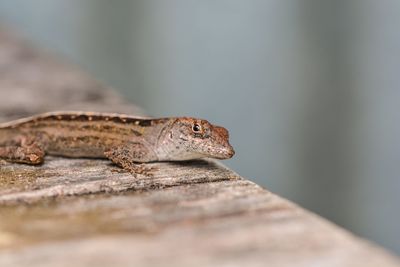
[(124, 139)]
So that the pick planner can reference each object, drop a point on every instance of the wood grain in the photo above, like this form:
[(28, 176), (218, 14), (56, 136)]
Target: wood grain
[(81, 212)]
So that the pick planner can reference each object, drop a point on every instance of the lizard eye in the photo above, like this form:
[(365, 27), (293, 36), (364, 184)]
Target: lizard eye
[(196, 128)]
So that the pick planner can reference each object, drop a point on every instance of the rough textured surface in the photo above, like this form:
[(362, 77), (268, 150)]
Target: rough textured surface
[(80, 212)]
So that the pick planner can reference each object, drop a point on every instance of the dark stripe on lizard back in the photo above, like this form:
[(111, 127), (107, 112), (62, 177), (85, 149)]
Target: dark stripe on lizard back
[(86, 117), (99, 117)]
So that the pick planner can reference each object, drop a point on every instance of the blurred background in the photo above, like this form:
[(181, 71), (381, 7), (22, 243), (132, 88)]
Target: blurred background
[(309, 89)]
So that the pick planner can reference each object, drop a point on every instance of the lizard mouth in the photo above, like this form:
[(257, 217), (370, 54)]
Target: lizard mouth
[(225, 153)]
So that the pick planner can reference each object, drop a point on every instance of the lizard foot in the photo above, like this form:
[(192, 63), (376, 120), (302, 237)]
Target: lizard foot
[(31, 154), (125, 158), (135, 169)]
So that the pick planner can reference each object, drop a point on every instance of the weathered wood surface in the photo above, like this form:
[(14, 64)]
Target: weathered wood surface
[(81, 212)]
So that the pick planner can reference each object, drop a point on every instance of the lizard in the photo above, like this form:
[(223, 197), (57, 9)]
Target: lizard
[(125, 140)]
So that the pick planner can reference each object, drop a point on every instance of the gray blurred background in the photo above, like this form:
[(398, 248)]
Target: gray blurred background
[(309, 89)]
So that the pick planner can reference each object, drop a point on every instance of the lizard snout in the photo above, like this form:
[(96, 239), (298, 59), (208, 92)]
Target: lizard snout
[(226, 151)]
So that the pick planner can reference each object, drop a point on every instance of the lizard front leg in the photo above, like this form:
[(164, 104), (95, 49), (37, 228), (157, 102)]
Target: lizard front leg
[(129, 156), (22, 150)]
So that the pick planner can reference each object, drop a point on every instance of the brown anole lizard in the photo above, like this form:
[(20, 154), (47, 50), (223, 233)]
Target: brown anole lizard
[(123, 139)]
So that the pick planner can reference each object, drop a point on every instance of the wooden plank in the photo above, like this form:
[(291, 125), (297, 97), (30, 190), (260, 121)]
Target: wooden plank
[(82, 212)]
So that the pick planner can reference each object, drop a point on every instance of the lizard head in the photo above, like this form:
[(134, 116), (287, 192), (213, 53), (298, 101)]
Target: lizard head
[(190, 138)]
